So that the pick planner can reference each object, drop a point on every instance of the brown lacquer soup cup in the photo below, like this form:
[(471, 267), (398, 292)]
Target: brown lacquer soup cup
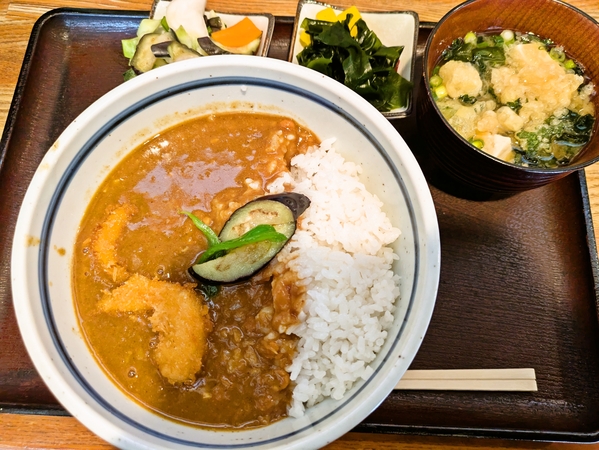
[(455, 156)]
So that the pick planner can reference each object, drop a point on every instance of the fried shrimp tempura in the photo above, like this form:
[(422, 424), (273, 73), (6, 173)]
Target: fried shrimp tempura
[(105, 238), (177, 315)]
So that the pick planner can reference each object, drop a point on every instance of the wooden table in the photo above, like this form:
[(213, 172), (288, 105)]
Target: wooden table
[(52, 432)]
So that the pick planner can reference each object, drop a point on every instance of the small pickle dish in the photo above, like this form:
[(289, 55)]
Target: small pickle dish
[(386, 39)]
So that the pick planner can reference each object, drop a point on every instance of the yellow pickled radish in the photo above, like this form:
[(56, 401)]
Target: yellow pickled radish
[(355, 17), (327, 14), (304, 38)]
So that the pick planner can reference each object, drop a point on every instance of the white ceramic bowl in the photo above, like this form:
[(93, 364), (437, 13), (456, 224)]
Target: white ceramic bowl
[(102, 135)]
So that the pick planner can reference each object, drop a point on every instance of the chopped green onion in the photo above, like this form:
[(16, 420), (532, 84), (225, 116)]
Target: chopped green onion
[(569, 64), (440, 92), (507, 35), (497, 40), (478, 143), (436, 81), (470, 38), (558, 54)]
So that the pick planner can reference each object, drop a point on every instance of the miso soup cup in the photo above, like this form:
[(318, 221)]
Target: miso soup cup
[(454, 156)]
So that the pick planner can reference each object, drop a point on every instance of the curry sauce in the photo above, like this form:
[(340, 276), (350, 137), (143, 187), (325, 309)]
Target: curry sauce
[(147, 322)]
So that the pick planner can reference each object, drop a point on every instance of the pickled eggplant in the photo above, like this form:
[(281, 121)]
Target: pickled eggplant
[(213, 24), (210, 47), (144, 59), (161, 50), (180, 52)]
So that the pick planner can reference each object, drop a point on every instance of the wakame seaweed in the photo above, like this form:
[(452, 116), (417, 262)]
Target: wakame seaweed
[(539, 148), (362, 62), (515, 106), (483, 54), (467, 99)]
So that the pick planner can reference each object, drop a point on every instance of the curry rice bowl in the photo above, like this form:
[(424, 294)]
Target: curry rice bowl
[(127, 117)]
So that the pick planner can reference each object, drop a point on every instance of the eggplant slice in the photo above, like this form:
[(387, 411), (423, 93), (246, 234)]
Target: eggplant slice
[(297, 203), (279, 210), (161, 50), (214, 23), (144, 59), (210, 47), (180, 52)]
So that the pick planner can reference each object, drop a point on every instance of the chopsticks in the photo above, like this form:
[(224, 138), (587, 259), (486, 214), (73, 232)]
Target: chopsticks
[(469, 380)]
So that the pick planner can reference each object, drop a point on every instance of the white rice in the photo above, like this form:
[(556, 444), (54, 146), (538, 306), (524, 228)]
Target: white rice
[(340, 253)]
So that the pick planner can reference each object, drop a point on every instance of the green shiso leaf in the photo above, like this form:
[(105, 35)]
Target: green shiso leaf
[(211, 236), (257, 234)]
